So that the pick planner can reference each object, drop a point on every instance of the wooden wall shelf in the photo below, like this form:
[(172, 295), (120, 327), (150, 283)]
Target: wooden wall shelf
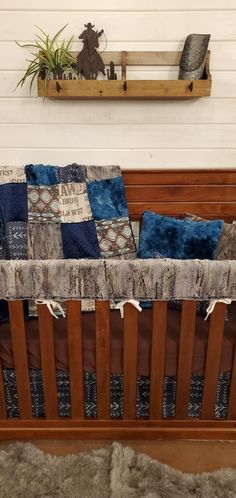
[(132, 89)]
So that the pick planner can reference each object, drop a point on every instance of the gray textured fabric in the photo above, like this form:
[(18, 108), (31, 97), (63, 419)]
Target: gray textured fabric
[(226, 247), (49, 241), (25, 472), (148, 279), (111, 472), (193, 57), (102, 172)]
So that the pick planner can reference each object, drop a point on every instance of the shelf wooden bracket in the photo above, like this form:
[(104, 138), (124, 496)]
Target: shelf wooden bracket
[(123, 65)]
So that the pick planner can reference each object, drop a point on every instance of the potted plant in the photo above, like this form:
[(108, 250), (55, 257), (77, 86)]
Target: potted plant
[(51, 59)]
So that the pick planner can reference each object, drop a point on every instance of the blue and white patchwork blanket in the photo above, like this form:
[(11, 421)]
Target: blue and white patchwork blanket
[(71, 212), (51, 212)]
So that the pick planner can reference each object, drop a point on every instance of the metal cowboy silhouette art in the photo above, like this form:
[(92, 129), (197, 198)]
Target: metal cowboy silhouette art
[(89, 61)]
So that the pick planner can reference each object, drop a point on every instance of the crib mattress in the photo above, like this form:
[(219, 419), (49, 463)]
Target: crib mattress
[(116, 389), (144, 343)]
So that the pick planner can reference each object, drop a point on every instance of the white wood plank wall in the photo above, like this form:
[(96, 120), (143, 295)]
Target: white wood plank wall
[(196, 134)]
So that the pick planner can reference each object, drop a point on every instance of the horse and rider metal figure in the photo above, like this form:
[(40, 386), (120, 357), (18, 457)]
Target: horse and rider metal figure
[(89, 61)]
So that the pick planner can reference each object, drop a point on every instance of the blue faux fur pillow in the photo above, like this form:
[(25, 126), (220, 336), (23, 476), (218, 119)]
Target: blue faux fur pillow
[(167, 237)]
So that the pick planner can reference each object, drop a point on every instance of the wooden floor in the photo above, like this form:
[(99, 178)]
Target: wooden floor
[(188, 456)]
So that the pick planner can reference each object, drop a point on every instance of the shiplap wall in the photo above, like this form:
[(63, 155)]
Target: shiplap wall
[(149, 134)]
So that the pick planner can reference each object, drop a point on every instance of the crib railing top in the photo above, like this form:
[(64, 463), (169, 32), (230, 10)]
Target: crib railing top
[(210, 193), (143, 280)]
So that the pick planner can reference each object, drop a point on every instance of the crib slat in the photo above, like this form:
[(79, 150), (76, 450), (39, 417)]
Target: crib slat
[(159, 318), (130, 361), (187, 331), (231, 412), (17, 323), (46, 335), (214, 347), (75, 353), (3, 409), (103, 358)]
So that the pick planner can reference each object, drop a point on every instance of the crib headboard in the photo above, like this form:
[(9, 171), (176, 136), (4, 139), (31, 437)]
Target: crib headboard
[(208, 193)]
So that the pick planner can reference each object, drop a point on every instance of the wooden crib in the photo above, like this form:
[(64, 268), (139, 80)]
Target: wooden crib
[(208, 193)]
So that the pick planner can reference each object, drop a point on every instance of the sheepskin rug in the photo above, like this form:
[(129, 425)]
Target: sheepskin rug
[(114, 471)]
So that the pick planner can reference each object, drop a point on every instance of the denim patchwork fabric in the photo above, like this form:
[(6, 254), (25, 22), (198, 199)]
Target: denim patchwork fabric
[(16, 240), (2, 239), (55, 212), (107, 199), (76, 211), (38, 174), (79, 240), (70, 174), (13, 202)]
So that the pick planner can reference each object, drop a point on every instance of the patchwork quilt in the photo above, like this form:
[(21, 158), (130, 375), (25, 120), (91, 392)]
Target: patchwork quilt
[(71, 212), (51, 212)]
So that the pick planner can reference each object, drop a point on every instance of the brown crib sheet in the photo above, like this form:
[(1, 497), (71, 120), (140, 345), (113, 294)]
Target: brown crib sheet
[(144, 343)]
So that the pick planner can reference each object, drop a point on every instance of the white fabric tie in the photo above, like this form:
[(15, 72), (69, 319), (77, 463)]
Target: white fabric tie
[(212, 304), (120, 306), (51, 305)]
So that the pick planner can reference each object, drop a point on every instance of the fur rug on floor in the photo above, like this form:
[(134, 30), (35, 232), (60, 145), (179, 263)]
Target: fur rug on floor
[(114, 471)]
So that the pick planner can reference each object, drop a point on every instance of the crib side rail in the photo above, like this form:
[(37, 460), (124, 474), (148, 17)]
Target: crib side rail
[(19, 347), (74, 331), (130, 363)]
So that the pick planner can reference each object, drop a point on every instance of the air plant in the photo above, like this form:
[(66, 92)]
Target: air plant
[(50, 60)]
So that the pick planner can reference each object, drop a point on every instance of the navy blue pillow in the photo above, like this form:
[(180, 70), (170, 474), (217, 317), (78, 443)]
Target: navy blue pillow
[(167, 237)]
